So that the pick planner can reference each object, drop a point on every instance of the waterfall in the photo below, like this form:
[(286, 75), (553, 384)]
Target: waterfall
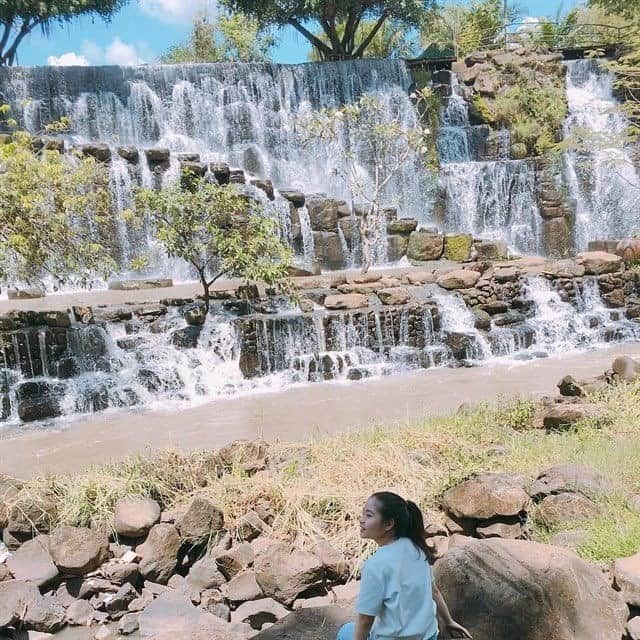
[(603, 182), (489, 199)]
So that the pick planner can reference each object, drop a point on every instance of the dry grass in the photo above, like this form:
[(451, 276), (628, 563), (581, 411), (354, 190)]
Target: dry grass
[(320, 486)]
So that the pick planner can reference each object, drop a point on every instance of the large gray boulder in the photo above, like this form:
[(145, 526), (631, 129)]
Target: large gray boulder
[(596, 263), (424, 246), (201, 521), (626, 575), (309, 624), (459, 279), (284, 572), (32, 562), (569, 478), (487, 496), (77, 550), (16, 596), (507, 589)]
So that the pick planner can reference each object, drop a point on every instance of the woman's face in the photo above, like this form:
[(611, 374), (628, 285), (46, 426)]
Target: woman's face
[(372, 526)]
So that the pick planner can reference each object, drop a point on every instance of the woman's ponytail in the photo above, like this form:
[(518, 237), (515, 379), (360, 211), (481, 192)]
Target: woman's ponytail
[(407, 517), (415, 529)]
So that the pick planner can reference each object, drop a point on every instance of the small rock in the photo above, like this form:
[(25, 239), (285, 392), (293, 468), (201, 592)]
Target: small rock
[(15, 597), (563, 416), (459, 279), (204, 574), (232, 562), (201, 522), (507, 531), (80, 614), (44, 615), (394, 296), (242, 588), (626, 368), (120, 572), (159, 553), (626, 575), (346, 301), (633, 628), (569, 539), (120, 601), (134, 516), (129, 623)]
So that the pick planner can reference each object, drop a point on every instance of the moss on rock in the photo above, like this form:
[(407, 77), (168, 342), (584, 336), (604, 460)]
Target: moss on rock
[(457, 247)]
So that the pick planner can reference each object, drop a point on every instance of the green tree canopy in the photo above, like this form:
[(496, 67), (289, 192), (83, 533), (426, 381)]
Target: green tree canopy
[(20, 17), (229, 38), (56, 214), (465, 27), (338, 43), (217, 230), (391, 41)]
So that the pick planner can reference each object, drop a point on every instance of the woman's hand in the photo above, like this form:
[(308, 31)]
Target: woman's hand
[(456, 630)]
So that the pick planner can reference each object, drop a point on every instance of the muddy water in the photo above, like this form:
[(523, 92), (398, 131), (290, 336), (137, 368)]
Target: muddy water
[(294, 414)]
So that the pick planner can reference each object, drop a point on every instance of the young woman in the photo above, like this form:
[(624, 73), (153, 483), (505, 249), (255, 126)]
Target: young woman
[(398, 599)]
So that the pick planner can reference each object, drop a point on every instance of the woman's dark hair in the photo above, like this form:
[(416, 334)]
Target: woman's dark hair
[(407, 517)]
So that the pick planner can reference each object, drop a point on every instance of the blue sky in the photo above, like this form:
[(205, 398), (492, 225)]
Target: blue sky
[(145, 28)]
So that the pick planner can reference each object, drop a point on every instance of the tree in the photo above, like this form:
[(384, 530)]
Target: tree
[(628, 9), (217, 231), (465, 27), (329, 15), (20, 17), (391, 41), (54, 209), (387, 146), (230, 38)]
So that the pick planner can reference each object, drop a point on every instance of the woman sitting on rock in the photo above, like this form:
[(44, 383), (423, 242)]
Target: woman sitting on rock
[(398, 598)]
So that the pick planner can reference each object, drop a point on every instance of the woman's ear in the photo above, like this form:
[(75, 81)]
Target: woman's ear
[(389, 525)]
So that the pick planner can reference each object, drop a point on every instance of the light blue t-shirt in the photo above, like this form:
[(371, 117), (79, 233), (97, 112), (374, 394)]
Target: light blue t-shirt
[(396, 588)]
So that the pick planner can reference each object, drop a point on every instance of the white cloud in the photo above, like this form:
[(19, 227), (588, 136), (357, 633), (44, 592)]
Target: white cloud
[(70, 59), (92, 52), (178, 10), (121, 53)]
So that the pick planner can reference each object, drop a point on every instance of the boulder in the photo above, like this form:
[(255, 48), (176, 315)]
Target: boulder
[(569, 539), (403, 226), (284, 572), (564, 416), (396, 247), (598, 262), (346, 301), (308, 624), (505, 530), (233, 561), (571, 388), (30, 513), (569, 478), (134, 516), (15, 597), (129, 153), (296, 198), (242, 588), (566, 508), (424, 246), (204, 574), (120, 572), (159, 553), (323, 213), (171, 615), (80, 613), (158, 155), (633, 628), (457, 247), (195, 314), (421, 277), (626, 368), (490, 249), (98, 151), (201, 522), (482, 320), (507, 589), (257, 613), (459, 279), (247, 456), (626, 577), (487, 496), (44, 616), (33, 563), (394, 296), (129, 623), (506, 274), (77, 550)]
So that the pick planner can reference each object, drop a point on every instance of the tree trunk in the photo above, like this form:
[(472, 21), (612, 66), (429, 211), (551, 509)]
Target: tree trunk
[(206, 296), (365, 240)]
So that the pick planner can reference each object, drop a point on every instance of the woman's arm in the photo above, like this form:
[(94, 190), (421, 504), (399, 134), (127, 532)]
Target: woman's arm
[(363, 626), (455, 629)]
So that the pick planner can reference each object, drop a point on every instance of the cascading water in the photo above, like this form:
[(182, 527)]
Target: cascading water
[(604, 182), (489, 199), (248, 115)]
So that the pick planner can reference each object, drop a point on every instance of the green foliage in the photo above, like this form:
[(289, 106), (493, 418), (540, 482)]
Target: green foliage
[(55, 212), (216, 230), (304, 15), (391, 41), (389, 145), (230, 38), (465, 27), (533, 114), (627, 9), (20, 17)]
